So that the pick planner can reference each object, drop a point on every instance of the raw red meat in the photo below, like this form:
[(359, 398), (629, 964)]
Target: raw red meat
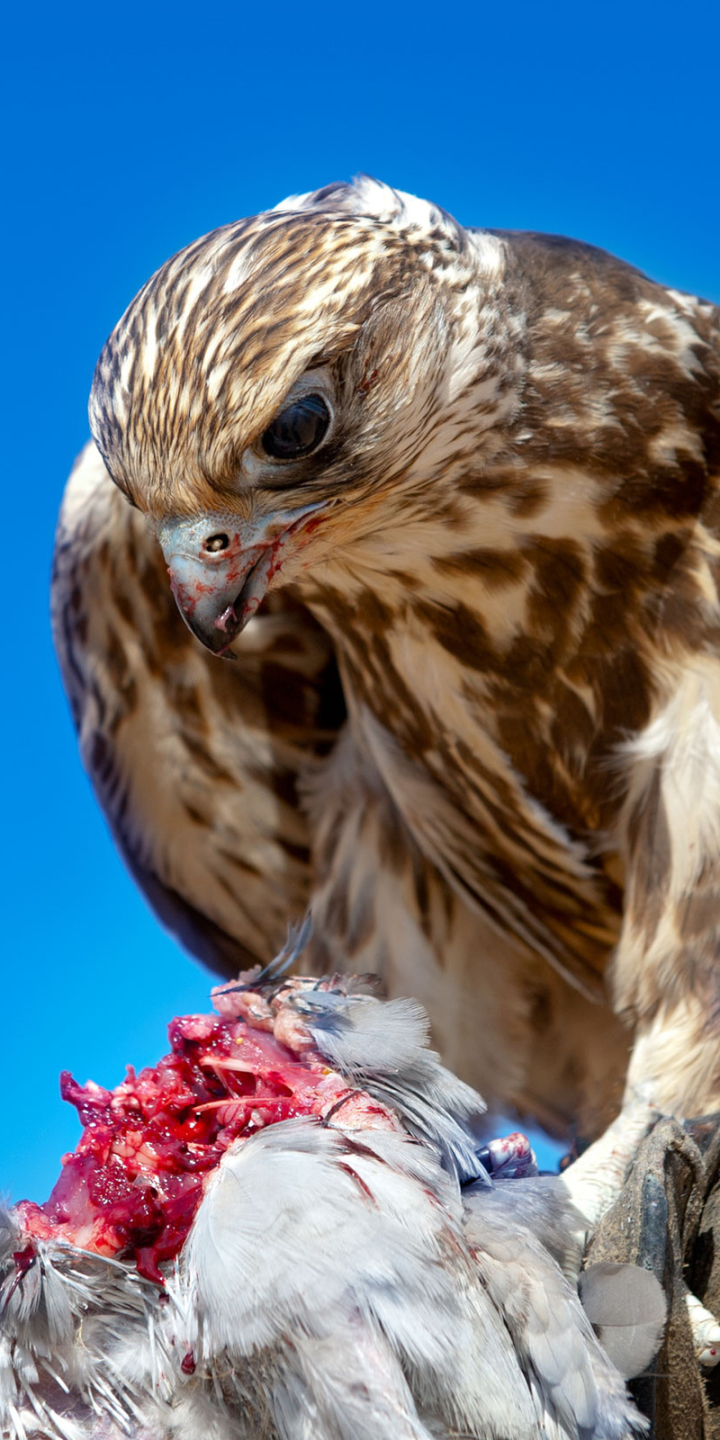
[(131, 1187)]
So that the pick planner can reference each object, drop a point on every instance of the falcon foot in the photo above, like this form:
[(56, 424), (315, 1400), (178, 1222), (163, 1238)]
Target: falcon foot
[(594, 1181), (705, 1332)]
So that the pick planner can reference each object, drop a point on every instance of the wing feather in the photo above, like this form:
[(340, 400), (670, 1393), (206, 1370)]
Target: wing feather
[(195, 762)]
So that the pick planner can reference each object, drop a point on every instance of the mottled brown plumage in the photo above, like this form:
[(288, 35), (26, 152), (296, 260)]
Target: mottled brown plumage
[(507, 543)]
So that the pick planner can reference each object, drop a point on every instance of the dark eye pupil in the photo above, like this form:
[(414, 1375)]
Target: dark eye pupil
[(298, 429)]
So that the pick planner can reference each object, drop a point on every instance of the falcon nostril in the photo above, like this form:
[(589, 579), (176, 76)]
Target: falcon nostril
[(214, 543)]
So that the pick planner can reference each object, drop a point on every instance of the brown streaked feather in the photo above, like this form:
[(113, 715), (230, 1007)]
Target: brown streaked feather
[(665, 970), (195, 764), (501, 1015)]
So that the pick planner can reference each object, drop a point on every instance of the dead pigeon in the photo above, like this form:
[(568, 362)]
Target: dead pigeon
[(284, 1231)]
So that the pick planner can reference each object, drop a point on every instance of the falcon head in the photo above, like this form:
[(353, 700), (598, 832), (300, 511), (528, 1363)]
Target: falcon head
[(292, 384)]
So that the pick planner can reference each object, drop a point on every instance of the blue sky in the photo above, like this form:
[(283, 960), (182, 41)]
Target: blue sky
[(129, 131)]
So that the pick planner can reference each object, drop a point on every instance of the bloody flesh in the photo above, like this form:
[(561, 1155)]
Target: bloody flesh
[(136, 1178)]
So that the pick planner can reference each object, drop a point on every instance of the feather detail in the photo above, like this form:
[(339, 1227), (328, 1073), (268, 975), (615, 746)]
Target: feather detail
[(195, 764), (665, 969)]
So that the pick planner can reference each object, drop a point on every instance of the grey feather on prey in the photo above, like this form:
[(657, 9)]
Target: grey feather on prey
[(382, 1046)]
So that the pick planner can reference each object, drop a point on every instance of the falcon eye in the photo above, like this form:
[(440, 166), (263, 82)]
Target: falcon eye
[(298, 429)]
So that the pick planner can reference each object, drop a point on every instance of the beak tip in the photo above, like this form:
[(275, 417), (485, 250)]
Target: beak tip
[(218, 592)]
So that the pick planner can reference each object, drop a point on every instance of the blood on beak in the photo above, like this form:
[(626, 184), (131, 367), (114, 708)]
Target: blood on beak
[(220, 569)]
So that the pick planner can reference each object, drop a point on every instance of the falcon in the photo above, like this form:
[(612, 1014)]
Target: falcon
[(440, 512)]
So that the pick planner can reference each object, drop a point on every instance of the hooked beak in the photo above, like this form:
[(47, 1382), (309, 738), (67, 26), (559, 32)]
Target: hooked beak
[(220, 568)]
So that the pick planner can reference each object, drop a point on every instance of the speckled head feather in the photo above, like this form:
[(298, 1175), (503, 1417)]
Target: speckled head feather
[(213, 343)]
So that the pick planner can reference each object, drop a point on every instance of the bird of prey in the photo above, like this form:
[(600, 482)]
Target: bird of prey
[(447, 499)]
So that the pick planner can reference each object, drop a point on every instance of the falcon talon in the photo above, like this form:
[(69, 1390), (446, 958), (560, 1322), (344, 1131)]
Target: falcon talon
[(594, 1181), (24, 1260), (511, 1157), (338, 1105)]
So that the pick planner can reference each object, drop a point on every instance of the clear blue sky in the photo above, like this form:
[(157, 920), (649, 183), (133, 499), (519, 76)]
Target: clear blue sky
[(130, 129)]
